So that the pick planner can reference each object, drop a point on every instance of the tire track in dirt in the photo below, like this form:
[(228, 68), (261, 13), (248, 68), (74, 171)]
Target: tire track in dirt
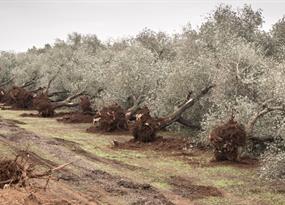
[(75, 147)]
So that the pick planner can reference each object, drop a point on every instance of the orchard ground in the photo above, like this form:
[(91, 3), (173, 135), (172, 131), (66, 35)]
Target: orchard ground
[(101, 173)]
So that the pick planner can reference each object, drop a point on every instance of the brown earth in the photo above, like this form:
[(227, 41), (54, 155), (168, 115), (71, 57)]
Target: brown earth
[(160, 144), (227, 138), (56, 114), (186, 188), (145, 126), (167, 171), (76, 117), (109, 119), (91, 181)]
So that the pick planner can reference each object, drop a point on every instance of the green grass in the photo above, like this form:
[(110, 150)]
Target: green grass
[(239, 185)]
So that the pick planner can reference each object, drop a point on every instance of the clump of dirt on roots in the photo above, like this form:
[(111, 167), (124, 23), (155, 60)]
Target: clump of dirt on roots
[(21, 169), (15, 171), (85, 115), (109, 119), (19, 98), (85, 104), (226, 139), (43, 105), (145, 127)]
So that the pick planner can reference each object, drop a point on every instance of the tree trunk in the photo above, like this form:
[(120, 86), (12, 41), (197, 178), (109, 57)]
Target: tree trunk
[(176, 115)]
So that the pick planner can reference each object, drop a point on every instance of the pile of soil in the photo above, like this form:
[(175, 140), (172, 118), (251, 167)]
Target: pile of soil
[(14, 172), (226, 139), (145, 127), (109, 119), (177, 144), (85, 116), (43, 105), (77, 117), (186, 188)]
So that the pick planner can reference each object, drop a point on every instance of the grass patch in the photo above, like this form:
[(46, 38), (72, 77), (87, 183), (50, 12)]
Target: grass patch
[(225, 183)]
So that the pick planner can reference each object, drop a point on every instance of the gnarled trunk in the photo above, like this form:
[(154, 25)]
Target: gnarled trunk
[(145, 127), (176, 115), (46, 107)]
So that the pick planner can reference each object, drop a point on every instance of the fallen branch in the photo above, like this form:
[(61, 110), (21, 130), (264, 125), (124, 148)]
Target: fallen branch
[(49, 172), (136, 102), (265, 110), (176, 115), (188, 123)]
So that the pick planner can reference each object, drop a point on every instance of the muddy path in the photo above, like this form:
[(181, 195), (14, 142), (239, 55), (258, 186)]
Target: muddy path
[(168, 171)]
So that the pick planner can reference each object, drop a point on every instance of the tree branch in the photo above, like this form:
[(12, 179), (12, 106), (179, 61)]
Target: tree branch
[(136, 104), (188, 123), (67, 102), (189, 103), (265, 110), (7, 82)]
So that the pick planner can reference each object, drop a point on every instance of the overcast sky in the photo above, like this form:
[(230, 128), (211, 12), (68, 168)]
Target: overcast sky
[(25, 23)]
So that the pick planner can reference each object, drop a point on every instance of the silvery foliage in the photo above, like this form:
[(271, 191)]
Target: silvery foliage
[(273, 162), (7, 64), (228, 50)]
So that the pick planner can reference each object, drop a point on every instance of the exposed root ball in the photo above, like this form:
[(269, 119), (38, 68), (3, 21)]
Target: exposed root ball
[(43, 105), (226, 139), (145, 127), (109, 119), (19, 98), (14, 172), (85, 104)]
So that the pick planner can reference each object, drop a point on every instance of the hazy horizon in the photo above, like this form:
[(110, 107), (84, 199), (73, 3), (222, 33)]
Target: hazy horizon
[(28, 23)]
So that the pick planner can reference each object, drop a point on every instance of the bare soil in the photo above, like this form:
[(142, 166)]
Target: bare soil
[(56, 114), (76, 117), (159, 144), (186, 188), (115, 170), (90, 179)]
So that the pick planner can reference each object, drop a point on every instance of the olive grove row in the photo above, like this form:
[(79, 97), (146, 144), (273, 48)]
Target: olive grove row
[(229, 49)]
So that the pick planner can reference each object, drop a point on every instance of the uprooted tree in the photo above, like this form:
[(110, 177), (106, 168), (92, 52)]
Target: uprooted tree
[(18, 171), (85, 115), (109, 118), (115, 117), (145, 127), (18, 96), (46, 107), (229, 139)]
